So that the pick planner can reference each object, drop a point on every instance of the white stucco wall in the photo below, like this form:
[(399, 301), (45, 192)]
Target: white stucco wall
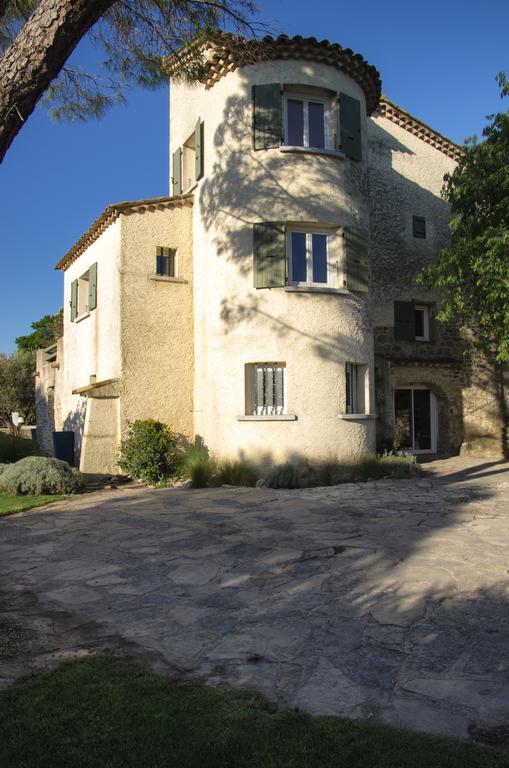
[(314, 334), (92, 345)]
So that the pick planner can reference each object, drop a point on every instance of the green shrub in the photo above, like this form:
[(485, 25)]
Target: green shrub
[(16, 448), (38, 475), (151, 452)]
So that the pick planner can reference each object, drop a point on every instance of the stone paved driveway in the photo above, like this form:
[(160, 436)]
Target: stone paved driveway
[(386, 600)]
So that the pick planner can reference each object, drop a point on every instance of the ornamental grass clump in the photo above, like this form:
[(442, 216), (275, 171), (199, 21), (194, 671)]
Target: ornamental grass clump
[(38, 476), (151, 452)]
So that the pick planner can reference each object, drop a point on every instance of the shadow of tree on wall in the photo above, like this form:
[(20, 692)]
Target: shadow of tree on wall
[(75, 422)]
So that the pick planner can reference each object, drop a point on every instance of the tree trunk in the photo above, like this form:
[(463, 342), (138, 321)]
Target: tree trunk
[(37, 55)]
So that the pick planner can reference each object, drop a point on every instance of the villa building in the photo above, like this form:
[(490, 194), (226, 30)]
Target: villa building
[(267, 308)]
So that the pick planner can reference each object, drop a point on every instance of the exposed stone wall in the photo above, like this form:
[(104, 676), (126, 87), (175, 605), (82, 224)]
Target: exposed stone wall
[(405, 178)]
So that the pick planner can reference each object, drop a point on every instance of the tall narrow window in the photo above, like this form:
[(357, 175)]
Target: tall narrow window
[(309, 257), (266, 389), (355, 388)]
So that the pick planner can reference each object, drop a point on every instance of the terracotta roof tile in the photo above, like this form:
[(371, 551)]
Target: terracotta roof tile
[(109, 215), (415, 126), (227, 52)]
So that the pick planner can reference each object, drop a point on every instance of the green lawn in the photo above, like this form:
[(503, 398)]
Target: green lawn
[(106, 713), (10, 503)]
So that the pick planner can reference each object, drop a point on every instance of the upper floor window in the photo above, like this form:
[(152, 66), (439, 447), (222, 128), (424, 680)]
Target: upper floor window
[(84, 293), (187, 162), (166, 265), (419, 226), (306, 122), (412, 321), (302, 116), (303, 256), (308, 258)]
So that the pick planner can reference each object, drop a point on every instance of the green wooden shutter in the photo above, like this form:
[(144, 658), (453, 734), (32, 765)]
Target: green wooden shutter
[(432, 322), (267, 116), (198, 150), (357, 264), (92, 287), (176, 169), (74, 300), (269, 254), (350, 126), (404, 321)]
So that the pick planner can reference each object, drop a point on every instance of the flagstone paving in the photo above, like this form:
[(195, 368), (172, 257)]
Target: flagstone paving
[(385, 600)]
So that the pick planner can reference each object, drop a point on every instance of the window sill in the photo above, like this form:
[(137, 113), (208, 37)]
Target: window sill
[(79, 318), (313, 151), (356, 416), (167, 279), (275, 417), (314, 289)]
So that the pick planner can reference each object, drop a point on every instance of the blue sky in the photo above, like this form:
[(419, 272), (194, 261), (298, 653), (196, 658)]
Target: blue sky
[(438, 60)]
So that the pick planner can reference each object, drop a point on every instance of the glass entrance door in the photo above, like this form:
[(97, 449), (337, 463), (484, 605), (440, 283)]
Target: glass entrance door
[(414, 420)]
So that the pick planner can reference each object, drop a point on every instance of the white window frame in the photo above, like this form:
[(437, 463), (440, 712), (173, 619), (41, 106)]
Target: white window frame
[(251, 399), (424, 308), (309, 232), (327, 118), (356, 397)]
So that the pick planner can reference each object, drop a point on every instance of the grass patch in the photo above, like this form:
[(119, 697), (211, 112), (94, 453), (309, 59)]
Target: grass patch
[(371, 466), (106, 713), (9, 503), (204, 471), (16, 448)]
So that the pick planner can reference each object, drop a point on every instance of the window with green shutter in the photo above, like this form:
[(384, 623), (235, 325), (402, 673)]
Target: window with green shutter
[(350, 133), (198, 150), (269, 254), (404, 321), (74, 300), (267, 116), (92, 287), (176, 169), (357, 261)]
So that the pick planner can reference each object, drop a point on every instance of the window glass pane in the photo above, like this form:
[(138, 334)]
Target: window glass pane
[(403, 417), (295, 110), (422, 420), (319, 258), (316, 112), (298, 271), (419, 323)]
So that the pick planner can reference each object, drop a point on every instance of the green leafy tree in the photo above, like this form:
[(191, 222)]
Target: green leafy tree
[(135, 37), (473, 272), (17, 391), (45, 331)]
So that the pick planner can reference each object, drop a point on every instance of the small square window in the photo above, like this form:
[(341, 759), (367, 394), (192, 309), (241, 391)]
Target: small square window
[(355, 385), (419, 226), (421, 313), (265, 389), (166, 262)]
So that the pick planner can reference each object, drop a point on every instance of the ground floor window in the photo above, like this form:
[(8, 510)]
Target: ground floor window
[(355, 384), (415, 426), (266, 389)]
